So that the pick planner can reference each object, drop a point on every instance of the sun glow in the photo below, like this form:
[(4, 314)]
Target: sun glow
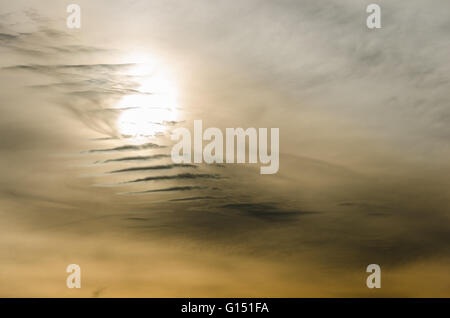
[(153, 107)]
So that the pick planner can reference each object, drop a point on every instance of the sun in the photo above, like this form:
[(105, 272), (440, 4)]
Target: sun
[(144, 122), (153, 107)]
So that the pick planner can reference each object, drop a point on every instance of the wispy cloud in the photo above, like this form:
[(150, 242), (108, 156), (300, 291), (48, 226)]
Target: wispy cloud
[(129, 148), (137, 158), (157, 167), (171, 189), (180, 176)]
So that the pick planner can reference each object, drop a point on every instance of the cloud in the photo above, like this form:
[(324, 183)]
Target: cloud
[(157, 167), (206, 197), (180, 176), (137, 158), (64, 67), (363, 116), (264, 211), (4, 37), (128, 148), (171, 189)]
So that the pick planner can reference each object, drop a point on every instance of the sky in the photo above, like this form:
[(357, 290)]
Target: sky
[(87, 178)]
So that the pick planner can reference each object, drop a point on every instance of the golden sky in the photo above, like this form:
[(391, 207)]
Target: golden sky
[(87, 178)]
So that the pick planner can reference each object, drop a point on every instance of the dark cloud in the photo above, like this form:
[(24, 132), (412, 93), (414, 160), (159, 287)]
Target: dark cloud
[(79, 49), (128, 148), (171, 189), (137, 158), (180, 176), (157, 167), (264, 211), (195, 198), (4, 37)]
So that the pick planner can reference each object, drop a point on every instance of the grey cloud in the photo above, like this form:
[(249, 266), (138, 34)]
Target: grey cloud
[(171, 189), (4, 37), (264, 211), (158, 167), (180, 176), (195, 198), (128, 148), (137, 158), (82, 67)]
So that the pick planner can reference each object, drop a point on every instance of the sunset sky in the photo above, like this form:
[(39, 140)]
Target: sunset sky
[(87, 178)]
